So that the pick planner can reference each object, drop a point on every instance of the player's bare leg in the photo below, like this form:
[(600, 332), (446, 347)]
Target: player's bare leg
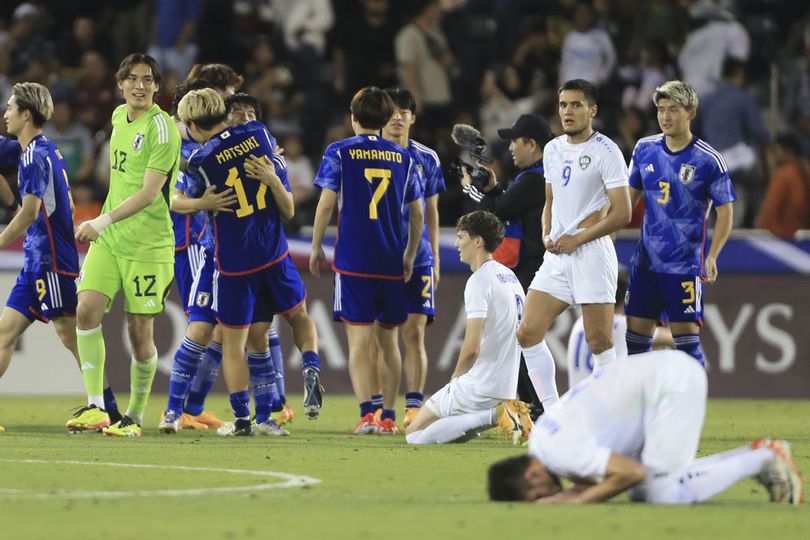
[(305, 336), (360, 337), (391, 373), (414, 364), (539, 313), (237, 380), (598, 324), (12, 325), (377, 369)]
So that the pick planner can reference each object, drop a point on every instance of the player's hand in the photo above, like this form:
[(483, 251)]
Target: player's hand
[(261, 169), (566, 244), (317, 260), (550, 244), (86, 233), (278, 150), (407, 267), (217, 202), (710, 271)]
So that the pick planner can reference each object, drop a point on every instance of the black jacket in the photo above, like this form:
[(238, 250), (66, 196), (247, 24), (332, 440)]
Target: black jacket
[(523, 201)]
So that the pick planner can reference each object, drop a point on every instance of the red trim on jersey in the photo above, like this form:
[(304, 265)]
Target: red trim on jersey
[(296, 306), (39, 316), (370, 276), (701, 272), (66, 273), (188, 235), (235, 326), (344, 320), (244, 272)]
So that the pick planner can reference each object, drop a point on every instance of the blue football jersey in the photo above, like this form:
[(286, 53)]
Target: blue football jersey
[(252, 236), (679, 190), (9, 151), (49, 244), (430, 174), (375, 180), (187, 227)]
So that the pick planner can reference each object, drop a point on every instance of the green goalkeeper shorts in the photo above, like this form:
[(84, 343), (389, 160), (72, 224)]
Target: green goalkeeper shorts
[(145, 284)]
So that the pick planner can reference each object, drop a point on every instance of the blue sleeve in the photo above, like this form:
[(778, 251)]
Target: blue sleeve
[(9, 152), (413, 185), (194, 183), (635, 175), (328, 175), (721, 190), (33, 177), (434, 179), (281, 170)]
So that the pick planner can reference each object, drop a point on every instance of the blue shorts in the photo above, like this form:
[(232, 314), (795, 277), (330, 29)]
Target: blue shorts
[(43, 295), (202, 294), (256, 297), (186, 264), (362, 300), (420, 292), (650, 295)]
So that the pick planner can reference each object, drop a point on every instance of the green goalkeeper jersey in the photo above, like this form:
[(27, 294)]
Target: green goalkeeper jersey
[(150, 143)]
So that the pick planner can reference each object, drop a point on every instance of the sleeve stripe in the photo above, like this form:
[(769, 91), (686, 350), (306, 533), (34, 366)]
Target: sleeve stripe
[(205, 176), (714, 153), (427, 150), (163, 129), (279, 160)]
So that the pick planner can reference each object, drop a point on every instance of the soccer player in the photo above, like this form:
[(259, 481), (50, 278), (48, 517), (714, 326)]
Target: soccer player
[(681, 178), (636, 426), (46, 288), (132, 244), (374, 180), (586, 201), (487, 369), (256, 275), (421, 288)]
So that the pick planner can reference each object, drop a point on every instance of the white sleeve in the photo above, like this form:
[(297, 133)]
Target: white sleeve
[(476, 297), (613, 168), (569, 453)]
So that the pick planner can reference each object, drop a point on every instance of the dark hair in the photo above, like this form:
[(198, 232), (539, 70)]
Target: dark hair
[(421, 5), (402, 98), (372, 108), (506, 479), (186, 87), (484, 224), (789, 142), (243, 99), (581, 85), (219, 75), (134, 59), (732, 66)]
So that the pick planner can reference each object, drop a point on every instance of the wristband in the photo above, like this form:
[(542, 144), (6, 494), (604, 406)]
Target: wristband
[(100, 223)]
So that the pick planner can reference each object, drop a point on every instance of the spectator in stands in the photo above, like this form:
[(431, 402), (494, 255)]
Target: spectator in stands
[(96, 92), (654, 70), (730, 122), (301, 176), (73, 139), (716, 35), (25, 44), (82, 38), (537, 59), (787, 204), (587, 51), (498, 109), (304, 24), (174, 38), (364, 51)]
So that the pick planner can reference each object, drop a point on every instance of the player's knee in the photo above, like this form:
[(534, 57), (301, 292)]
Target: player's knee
[(599, 342), (88, 316), (527, 336), (413, 334), (199, 333)]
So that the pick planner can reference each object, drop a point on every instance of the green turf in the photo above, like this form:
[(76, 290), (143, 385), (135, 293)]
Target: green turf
[(371, 486)]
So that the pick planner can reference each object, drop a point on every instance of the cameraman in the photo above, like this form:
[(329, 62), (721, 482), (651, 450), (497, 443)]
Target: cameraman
[(520, 207)]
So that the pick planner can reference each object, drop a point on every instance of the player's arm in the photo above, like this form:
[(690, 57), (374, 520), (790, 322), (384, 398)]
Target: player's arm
[(7, 195), (432, 224), (618, 215), (323, 213), (722, 230), (470, 347), (416, 220), (635, 195), (263, 170), (210, 201), (545, 220), (152, 184), (621, 474), (22, 220)]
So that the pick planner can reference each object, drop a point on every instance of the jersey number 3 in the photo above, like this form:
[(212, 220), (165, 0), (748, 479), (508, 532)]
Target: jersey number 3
[(385, 179)]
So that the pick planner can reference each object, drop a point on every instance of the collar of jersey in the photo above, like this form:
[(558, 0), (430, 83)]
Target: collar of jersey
[(682, 150)]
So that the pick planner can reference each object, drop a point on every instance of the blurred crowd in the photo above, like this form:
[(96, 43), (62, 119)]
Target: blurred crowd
[(480, 62)]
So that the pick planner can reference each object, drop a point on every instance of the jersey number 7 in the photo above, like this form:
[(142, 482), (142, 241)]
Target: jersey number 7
[(385, 179)]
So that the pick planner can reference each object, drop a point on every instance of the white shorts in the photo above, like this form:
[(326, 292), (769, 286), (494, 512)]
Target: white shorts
[(459, 397), (586, 276)]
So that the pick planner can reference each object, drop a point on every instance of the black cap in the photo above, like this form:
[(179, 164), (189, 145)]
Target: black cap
[(532, 126)]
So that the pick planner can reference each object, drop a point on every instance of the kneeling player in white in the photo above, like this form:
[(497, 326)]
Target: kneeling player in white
[(487, 368), (636, 426)]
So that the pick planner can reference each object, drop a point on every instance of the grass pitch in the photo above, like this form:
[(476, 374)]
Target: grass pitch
[(59, 486)]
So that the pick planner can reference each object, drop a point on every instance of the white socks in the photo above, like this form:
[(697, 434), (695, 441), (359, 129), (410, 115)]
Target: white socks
[(540, 365), (451, 428), (603, 358)]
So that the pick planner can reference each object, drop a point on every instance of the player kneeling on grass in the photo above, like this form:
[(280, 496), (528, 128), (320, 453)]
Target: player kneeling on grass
[(256, 277), (636, 426), (487, 368)]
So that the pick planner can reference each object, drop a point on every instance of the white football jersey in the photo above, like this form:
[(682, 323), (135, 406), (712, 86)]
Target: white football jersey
[(495, 294), (580, 175)]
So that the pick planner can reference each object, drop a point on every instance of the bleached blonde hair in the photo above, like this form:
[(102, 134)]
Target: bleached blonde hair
[(204, 107), (35, 98), (678, 92)]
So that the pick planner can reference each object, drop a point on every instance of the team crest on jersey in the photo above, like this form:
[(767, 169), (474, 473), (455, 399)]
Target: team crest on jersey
[(584, 161), (686, 174), (137, 142), (203, 299)]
